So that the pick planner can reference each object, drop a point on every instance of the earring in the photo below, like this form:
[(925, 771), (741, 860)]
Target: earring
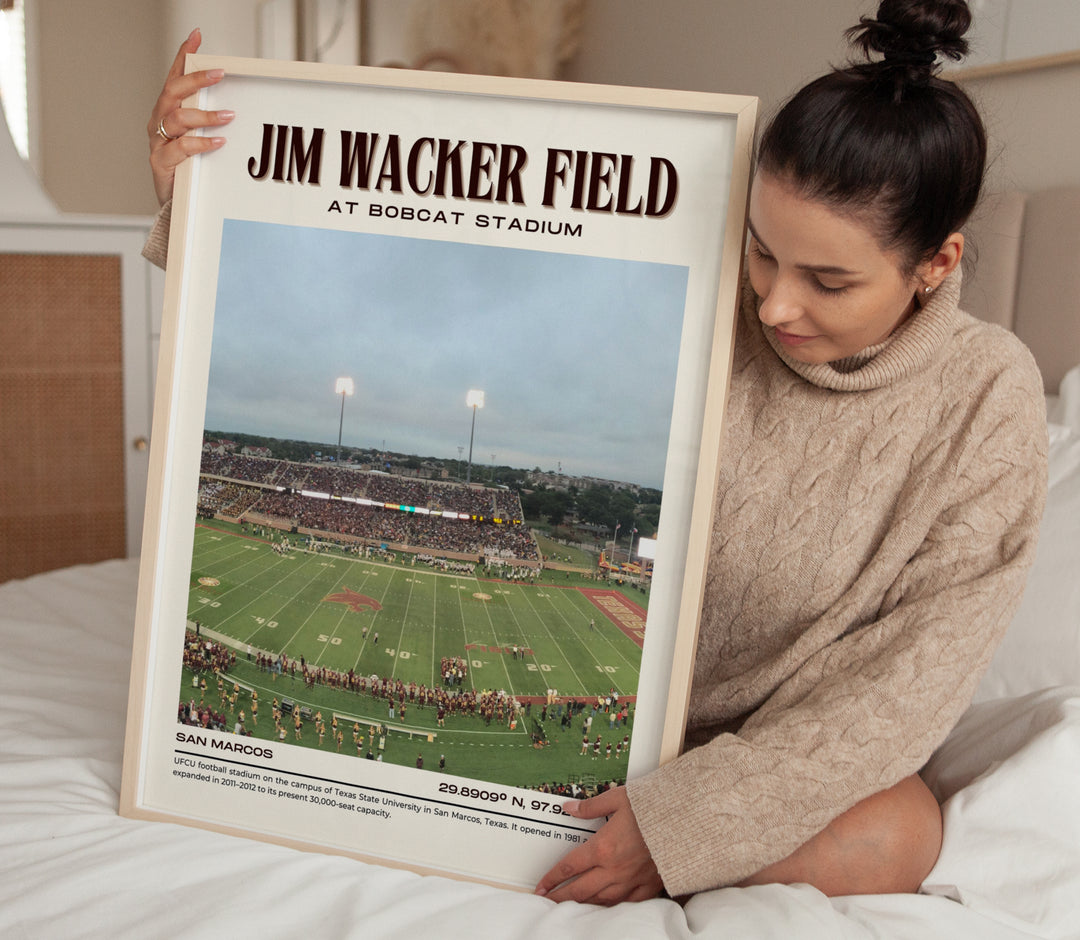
[(928, 289)]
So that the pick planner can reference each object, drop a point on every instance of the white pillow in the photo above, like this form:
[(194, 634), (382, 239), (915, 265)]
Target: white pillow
[(1012, 816), (1058, 433), (1042, 646), (1064, 408)]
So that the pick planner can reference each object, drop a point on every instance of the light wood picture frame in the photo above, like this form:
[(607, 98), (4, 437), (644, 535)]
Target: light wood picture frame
[(576, 251)]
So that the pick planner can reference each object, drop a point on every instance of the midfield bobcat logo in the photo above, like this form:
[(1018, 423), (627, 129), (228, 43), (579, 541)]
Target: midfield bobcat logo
[(355, 602)]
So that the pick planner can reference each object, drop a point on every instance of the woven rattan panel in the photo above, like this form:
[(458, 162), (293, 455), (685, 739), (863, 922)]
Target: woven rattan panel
[(61, 412)]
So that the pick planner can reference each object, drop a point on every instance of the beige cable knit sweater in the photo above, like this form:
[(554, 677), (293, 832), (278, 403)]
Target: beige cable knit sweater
[(874, 525), (156, 249)]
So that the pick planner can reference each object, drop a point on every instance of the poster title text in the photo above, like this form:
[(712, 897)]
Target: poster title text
[(472, 171)]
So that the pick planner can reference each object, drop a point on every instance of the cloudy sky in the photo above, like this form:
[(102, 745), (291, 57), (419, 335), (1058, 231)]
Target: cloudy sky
[(576, 355)]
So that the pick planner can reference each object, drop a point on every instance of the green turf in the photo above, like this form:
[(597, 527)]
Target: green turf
[(566, 554), (279, 603), (471, 748)]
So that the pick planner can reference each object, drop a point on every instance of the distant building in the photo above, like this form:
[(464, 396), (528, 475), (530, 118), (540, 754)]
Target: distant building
[(563, 482), (553, 481), (219, 448), (610, 484)]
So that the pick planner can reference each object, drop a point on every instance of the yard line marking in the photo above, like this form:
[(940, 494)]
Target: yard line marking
[(341, 619), (287, 600), (464, 631), (522, 613), (491, 624), (559, 646), (231, 546), (376, 618), (242, 584), (434, 629), (447, 633), (295, 600), (580, 595), (404, 619)]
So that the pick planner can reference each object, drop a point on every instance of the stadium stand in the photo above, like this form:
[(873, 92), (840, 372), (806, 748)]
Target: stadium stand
[(415, 515)]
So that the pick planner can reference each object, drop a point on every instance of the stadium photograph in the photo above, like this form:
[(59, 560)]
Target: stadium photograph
[(357, 584)]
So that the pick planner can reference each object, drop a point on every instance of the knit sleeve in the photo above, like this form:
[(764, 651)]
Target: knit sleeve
[(156, 249), (867, 710)]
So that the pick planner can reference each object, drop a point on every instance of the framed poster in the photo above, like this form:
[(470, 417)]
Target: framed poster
[(352, 637)]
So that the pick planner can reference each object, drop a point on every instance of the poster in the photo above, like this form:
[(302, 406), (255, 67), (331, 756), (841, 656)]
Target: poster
[(437, 420)]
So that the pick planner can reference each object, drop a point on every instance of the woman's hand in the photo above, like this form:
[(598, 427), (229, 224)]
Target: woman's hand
[(613, 865), (170, 120)]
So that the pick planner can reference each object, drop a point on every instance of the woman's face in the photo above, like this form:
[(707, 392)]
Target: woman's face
[(826, 287)]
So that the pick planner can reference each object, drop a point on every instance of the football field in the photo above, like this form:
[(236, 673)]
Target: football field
[(317, 605), (400, 621)]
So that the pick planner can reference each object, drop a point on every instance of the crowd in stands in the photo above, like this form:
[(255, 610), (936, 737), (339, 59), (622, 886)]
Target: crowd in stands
[(377, 524), (205, 657), (380, 487), (238, 467), (229, 499)]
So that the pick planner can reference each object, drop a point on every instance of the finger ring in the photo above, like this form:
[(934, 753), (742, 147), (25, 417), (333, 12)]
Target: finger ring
[(163, 134)]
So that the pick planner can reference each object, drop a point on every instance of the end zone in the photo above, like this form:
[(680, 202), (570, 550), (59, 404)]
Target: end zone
[(621, 611)]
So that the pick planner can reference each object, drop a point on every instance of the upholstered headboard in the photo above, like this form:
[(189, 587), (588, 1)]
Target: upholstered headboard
[(1026, 276)]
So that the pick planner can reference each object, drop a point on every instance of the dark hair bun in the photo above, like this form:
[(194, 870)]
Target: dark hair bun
[(885, 138), (913, 33)]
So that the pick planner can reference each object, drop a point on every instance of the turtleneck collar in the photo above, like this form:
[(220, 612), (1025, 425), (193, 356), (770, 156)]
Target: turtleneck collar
[(910, 348)]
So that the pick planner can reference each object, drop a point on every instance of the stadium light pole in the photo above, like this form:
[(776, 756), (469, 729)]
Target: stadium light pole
[(343, 387), (474, 399)]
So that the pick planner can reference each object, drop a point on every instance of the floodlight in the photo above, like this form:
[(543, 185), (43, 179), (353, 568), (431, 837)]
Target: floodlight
[(343, 387), (474, 399)]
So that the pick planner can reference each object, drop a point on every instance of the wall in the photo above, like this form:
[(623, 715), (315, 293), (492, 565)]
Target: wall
[(765, 48), (1034, 126), (228, 28), (101, 66), (98, 72), (1020, 29), (770, 47)]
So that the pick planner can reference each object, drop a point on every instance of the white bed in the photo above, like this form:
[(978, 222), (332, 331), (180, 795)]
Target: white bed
[(1009, 776)]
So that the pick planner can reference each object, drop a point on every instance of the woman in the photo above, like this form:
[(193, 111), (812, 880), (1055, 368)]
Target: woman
[(882, 480)]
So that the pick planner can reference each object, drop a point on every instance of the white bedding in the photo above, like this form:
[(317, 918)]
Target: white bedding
[(74, 868), (1042, 647), (1009, 776)]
